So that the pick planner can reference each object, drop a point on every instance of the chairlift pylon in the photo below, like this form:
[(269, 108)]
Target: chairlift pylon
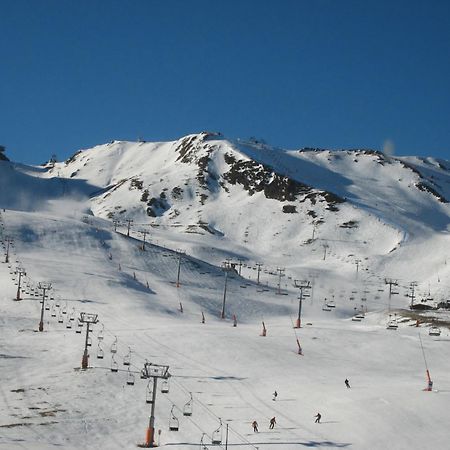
[(173, 421), (149, 392)]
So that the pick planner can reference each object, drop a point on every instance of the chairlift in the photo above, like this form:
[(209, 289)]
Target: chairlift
[(114, 346), (165, 387), (72, 315), (149, 392), (434, 331), (331, 304), (360, 315), (363, 299), (79, 326), (127, 358), (60, 317), (356, 319), (173, 421), (202, 444), (100, 352), (68, 323), (64, 309), (187, 409), (392, 323), (130, 378), (57, 304), (217, 435), (114, 365), (89, 341), (325, 306), (53, 311), (100, 333)]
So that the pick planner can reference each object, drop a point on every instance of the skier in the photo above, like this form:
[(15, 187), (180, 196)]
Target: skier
[(255, 426), (272, 423), (275, 395), (318, 416), (347, 383)]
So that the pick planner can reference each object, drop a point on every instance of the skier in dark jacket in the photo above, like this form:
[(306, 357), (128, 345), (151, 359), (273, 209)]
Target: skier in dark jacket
[(318, 416), (347, 383), (272, 423), (275, 395), (255, 426)]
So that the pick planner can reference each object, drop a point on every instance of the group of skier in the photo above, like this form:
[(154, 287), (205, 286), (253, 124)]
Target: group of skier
[(273, 421)]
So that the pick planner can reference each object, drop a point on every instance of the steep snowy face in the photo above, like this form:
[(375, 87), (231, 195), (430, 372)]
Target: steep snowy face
[(269, 201)]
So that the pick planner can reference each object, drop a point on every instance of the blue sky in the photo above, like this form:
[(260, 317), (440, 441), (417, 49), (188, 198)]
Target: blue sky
[(331, 74)]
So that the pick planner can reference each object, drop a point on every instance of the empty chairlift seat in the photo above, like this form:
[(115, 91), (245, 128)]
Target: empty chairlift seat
[(114, 365), (434, 331), (100, 352), (217, 435), (187, 409), (173, 421), (127, 358), (130, 378), (165, 387)]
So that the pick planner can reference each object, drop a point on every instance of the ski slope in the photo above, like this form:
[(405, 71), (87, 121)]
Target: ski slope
[(230, 371), (55, 225)]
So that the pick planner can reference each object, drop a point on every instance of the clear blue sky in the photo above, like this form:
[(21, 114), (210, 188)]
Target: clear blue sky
[(334, 74)]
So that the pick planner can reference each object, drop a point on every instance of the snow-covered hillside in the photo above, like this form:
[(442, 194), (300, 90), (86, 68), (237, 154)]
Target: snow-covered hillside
[(241, 225)]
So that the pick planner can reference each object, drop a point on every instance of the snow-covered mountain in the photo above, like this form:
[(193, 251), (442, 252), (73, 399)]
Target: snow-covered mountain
[(347, 222), (274, 204)]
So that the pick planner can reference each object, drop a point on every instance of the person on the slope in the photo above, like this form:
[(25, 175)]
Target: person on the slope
[(255, 426), (347, 383), (272, 423), (318, 416), (275, 395)]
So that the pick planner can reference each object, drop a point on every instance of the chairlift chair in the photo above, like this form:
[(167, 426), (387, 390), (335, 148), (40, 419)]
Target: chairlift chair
[(64, 309), (130, 378), (114, 365), (173, 421), (68, 323), (331, 304), (392, 325), (434, 331), (127, 358), (72, 314), (89, 341), (165, 387), (100, 352), (217, 435), (187, 409), (356, 319), (100, 333), (60, 317), (325, 306), (114, 346), (53, 311)]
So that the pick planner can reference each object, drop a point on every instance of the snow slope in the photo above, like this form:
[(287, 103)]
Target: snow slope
[(63, 233)]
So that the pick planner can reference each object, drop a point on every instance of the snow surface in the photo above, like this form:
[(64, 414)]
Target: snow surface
[(48, 402)]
